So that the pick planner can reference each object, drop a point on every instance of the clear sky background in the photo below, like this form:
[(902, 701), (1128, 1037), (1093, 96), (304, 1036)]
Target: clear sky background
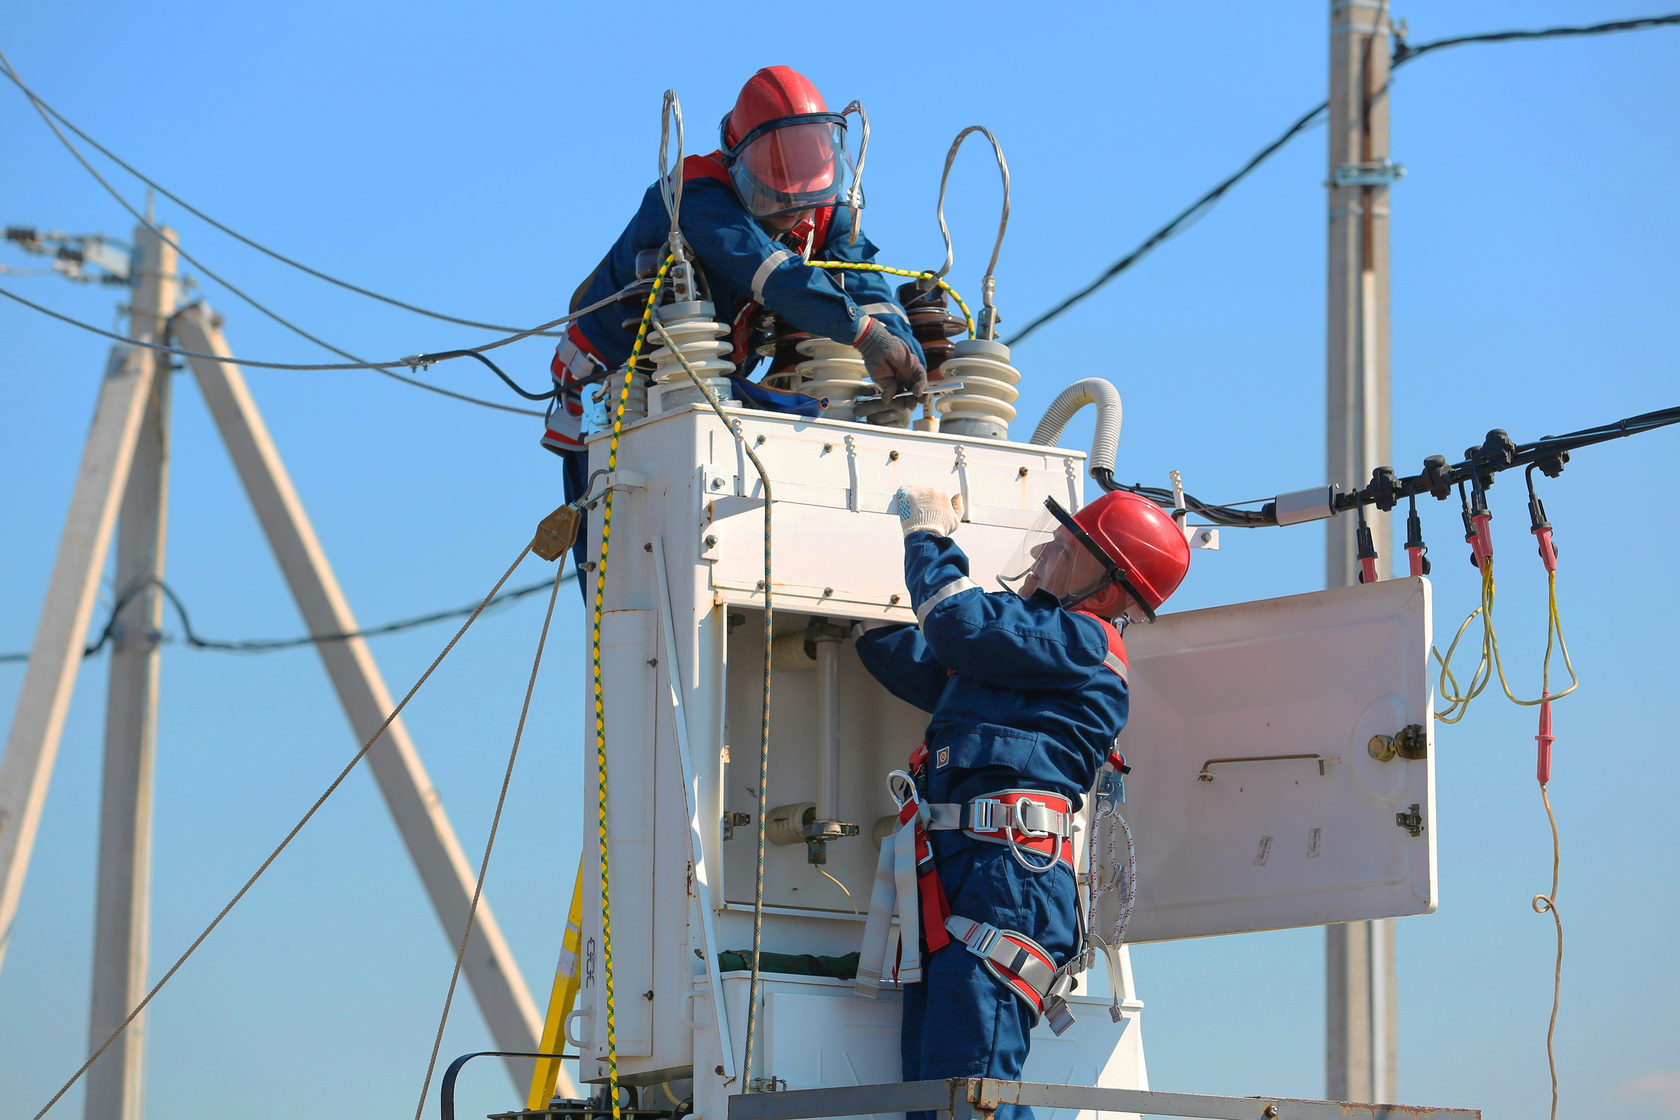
[(480, 162)]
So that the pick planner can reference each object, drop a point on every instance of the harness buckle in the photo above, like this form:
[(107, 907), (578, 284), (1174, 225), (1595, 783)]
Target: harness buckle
[(984, 936)]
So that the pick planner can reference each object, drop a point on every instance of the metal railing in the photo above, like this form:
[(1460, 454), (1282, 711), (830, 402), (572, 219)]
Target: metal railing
[(962, 1098)]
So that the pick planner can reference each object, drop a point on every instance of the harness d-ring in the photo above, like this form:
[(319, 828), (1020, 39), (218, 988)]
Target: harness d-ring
[(1015, 847)]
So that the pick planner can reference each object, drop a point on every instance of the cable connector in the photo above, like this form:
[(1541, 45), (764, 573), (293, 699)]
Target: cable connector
[(1476, 515), (1416, 550), (1545, 739), (1367, 550), (1538, 525), (1438, 477)]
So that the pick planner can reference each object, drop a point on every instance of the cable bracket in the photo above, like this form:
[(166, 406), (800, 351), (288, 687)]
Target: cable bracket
[(1381, 173)]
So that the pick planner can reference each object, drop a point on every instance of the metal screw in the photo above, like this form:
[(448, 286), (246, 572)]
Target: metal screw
[(827, 447), (711, 541), (648, 547), (759, 442), (892, 456), (827, 591), (1022, 473), (717, 484), (894, 600), (1270, 1112)]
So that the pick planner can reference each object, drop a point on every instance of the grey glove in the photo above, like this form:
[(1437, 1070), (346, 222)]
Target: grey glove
[(924, 509), (892, 365)]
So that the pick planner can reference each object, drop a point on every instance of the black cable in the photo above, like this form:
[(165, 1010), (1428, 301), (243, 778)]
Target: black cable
[(6, 69), (271, 645), (441, 355), (1403, 53)]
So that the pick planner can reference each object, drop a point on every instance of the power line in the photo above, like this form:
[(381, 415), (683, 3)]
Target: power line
[(196, 212), (272, 645), (1403, 53), (6, 65)]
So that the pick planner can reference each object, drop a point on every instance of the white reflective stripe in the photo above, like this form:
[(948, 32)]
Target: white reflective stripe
[(1112, 660), (883, 309), (771, 263), (955, 587)]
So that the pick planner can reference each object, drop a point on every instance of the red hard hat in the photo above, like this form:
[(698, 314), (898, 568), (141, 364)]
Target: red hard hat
[(1141, 538), (780, 144), (775, 91)]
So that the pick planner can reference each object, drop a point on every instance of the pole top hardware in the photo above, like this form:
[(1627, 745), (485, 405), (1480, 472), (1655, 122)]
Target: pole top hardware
[(1381, 173)]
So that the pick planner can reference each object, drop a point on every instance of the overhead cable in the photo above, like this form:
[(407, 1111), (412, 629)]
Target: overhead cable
[(6, 65), (1403, 53), (271, 645), (308, 815), (233, 233)]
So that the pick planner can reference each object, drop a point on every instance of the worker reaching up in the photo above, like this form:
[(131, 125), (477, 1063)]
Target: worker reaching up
[(1027, 691), (754, 212)]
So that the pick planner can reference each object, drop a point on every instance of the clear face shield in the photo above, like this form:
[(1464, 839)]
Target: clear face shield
[(791, 164), (1058, 556)]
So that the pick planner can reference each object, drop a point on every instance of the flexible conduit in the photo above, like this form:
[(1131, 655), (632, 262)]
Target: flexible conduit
[(1105, 444)]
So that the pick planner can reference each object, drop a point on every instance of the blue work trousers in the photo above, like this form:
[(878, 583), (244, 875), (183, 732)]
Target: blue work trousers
[(961, 1021)]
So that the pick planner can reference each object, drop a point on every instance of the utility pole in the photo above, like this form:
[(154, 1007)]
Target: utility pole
[(1361, 1054), (125, 828)]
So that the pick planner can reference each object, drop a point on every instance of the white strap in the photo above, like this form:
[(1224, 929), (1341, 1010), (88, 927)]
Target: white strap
[(909, 956), (883, 309), (872, 954), (955, 587), (769, 265)]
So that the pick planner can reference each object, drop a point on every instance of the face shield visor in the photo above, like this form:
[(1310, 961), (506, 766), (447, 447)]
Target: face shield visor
[(1058, 556), (791, 164)]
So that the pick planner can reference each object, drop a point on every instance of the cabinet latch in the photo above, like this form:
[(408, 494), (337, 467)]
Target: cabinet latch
[(1411, 820)]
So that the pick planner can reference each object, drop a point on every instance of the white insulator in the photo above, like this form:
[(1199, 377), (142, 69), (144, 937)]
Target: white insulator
[(703, 342), (985, 404), (785, 824), (635, 405), (835, 373)]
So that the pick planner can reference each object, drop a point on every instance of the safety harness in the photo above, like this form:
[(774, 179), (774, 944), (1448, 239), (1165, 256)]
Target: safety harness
[(1038, 828)]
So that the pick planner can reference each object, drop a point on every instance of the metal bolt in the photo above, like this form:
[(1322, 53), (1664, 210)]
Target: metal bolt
[(648, 547), (1269, 1112), (894, 600), (1022, 473), (827, 591), (827, 447), (717, 484), (892, 456), (711, 540), (759, 442)]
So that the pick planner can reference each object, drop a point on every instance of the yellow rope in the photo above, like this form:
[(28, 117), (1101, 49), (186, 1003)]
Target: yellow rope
[(600, 706), (860, 266)]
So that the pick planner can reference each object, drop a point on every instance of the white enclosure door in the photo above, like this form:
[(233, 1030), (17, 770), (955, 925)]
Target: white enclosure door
[(1230, 834)]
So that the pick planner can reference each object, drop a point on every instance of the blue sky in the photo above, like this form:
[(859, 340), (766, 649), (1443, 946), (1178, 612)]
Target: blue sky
[(480, 163)]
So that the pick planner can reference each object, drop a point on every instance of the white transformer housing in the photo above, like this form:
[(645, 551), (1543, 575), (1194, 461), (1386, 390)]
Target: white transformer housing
[(1276, 702)]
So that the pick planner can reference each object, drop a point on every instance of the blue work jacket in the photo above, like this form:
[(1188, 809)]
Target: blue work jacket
[(744, 266), (1024, 694)]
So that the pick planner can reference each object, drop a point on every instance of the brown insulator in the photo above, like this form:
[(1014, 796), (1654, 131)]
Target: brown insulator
[(782, 348), (932, 322)]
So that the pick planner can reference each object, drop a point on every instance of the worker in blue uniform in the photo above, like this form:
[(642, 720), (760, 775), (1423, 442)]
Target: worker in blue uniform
[(754, 212), (1027, 691)]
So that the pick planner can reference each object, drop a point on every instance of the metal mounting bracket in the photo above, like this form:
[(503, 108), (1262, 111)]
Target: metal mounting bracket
[(1411, 820), (1382, 173)]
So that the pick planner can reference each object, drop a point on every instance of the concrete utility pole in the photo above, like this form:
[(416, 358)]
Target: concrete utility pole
[(1361, 1055), (125, 828)]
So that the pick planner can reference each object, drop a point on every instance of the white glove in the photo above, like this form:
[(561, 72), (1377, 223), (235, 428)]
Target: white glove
[(924, 509)]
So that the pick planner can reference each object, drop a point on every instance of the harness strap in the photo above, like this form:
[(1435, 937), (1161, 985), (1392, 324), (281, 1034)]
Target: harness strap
[(1022, 965), (1034, 819)]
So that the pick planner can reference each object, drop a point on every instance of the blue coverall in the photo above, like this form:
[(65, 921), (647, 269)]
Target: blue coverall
[(1021, 698), (743, 266)]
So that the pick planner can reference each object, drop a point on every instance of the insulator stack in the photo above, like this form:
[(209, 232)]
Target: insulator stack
[(703, 342), (985, 404), (932, 322), (834, 372), (782, 348)]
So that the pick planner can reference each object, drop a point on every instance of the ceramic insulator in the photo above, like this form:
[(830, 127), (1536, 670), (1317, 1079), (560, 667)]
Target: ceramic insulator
[(835, 372), (985, 404), (701, 340)]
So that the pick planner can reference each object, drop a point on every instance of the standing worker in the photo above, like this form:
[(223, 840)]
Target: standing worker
[(1027, 691), (754, 212)]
